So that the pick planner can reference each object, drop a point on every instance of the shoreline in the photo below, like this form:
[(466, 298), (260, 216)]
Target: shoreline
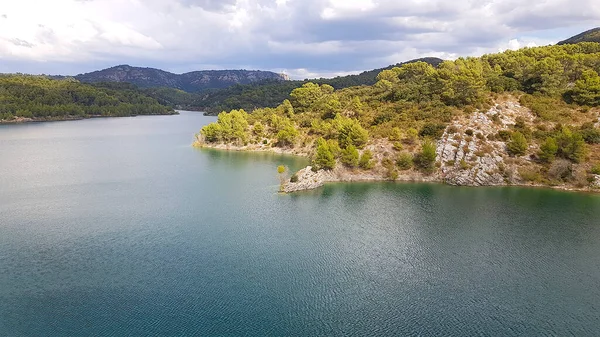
[(310, 180), (23, 120)]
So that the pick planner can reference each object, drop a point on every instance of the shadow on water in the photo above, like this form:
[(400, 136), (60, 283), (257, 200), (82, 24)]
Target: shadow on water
[(241, 159)]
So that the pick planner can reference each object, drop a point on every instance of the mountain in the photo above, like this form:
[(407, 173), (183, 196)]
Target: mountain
[(191, 82), (592, 35), (270, 93)]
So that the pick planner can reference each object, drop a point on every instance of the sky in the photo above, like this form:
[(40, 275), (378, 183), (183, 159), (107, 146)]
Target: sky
[(302, 38)]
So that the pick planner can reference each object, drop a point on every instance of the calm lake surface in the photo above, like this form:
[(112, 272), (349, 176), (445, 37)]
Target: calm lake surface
[(118, 227)]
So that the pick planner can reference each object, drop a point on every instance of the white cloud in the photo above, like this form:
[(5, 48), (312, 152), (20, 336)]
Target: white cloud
[(323, 37)]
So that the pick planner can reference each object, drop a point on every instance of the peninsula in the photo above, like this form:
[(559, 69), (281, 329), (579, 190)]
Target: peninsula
[(526, 117)]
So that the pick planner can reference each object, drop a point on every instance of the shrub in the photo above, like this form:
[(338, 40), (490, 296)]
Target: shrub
[(452, 129), (596, 169), (561, 170), (350, 156), (411, 136), (395, 135), (365, 162), (391, 172), (591, 135), (432, 130), (517, 145), (425, 159), (504, 135), (469, 132), (530, 174), (404, 161), (294, 178)]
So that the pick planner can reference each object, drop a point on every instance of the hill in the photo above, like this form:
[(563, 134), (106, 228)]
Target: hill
[(271, 93), (190, 82), (592, 35), (38, 98)]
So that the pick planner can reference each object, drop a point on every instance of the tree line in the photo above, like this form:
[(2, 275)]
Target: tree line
[(40, 97)]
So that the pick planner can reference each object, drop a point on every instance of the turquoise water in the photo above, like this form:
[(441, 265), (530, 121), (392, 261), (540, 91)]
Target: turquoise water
[(117, 227)]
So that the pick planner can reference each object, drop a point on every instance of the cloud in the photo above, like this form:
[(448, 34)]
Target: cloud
[(309, 37)]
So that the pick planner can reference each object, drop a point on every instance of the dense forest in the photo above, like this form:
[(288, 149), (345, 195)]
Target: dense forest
[(413, 105), (263, 94), (42, 98)]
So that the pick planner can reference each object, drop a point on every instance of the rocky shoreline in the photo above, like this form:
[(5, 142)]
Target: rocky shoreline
[(468, 154)]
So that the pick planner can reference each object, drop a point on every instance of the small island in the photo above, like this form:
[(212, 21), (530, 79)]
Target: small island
[(527, 117)]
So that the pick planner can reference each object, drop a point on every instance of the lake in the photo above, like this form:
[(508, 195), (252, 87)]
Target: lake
[(118, 227)]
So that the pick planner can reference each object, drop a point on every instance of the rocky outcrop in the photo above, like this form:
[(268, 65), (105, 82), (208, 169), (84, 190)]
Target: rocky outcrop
[(470, 153), (190, 82), (595, 181), (308, 180)]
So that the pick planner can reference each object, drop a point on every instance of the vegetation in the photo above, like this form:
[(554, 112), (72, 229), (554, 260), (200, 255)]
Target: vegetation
[(409, 107), (271, 93), (42, 98), (517, 145)]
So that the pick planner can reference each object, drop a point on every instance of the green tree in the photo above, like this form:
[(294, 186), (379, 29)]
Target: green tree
[(323, 158), (307, 95), (517, 146), (330, 107), (258, 129), (548, 150), (350, 132), (212, 132), (425, 159), (350, 156), (287, 108), (571, 145), (356, 106), (287, 136), (587, 89)]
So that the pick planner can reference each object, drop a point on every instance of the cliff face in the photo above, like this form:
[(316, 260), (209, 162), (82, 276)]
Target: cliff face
[(190, 82), (479, 159)]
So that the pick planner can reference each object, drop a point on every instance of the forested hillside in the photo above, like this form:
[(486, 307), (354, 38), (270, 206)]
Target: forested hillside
[(269, 94), (41, 98), (592, 35), (192, 82), (526, 115)]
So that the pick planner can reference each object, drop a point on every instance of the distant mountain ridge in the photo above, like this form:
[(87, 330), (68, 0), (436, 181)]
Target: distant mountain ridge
[(592, 35), (191, 82)]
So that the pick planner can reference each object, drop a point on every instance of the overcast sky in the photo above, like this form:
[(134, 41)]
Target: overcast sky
[(303, 38)]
